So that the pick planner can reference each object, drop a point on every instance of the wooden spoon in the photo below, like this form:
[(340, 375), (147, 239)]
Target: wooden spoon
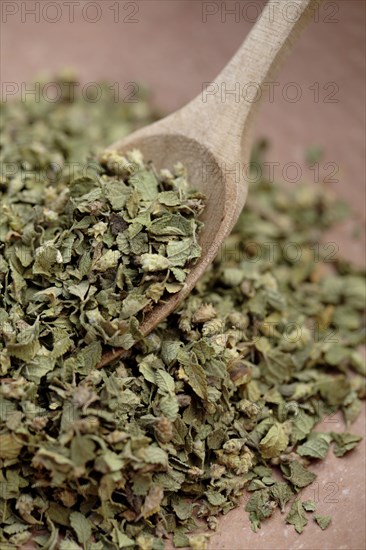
[(211, 136)]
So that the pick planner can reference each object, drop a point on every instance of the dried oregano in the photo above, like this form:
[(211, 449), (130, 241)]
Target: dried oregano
[(222, 396)]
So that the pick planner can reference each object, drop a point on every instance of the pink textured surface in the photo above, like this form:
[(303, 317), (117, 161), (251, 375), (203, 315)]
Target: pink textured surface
[(174, 52)]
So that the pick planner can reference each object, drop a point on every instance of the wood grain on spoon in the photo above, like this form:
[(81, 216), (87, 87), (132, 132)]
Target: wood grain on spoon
[(211, 136)]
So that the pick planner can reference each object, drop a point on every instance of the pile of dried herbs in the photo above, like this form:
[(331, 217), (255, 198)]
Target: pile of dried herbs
[(83, 260), (223, 396)]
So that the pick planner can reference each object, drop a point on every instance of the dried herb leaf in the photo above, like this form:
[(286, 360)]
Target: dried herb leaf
[(322, 521), (297, 516), (298, 475), (315, 446), (344, 442), (82, 528)]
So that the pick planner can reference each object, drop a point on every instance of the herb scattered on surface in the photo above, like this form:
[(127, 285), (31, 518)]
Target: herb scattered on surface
[(222, 397), (322, 521)]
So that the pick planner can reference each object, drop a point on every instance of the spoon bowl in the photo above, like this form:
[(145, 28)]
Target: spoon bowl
[(204, 169)]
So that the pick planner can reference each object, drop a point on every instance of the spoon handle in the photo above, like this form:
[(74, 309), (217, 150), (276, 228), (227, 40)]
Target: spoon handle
[(221, 113)]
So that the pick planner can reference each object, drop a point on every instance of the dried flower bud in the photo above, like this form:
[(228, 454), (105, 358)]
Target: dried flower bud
[(210, 328), (240, 372), (164, 429), (249, 408), (217, 471), (206, 312), (238, 320), (233, 445)]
